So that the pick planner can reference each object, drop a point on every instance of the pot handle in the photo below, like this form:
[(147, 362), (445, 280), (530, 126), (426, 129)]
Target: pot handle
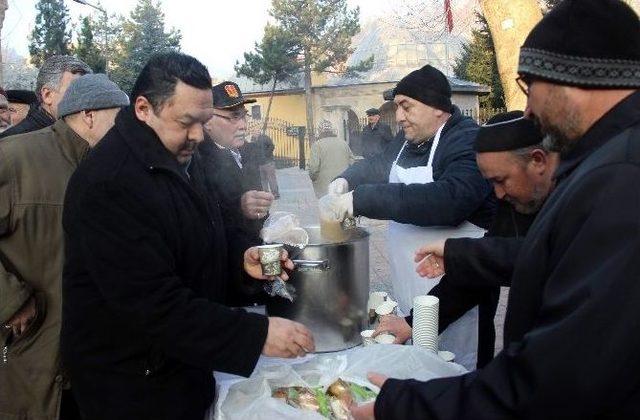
[(311, 265)]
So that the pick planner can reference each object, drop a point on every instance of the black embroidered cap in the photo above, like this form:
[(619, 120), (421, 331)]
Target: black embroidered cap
[(228, 95), (505, 132), (590, 43)]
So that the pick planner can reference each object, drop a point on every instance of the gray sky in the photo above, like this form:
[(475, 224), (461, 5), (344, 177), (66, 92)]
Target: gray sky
[(216, 32)]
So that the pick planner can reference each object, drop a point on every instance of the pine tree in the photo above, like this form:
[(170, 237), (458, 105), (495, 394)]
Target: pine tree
[(50, 35), (275, 60), (142, 35), (478, 64), (87, 50), (322, 29)]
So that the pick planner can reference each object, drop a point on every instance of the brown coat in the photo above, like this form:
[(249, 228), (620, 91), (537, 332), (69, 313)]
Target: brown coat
[(34, 170), (330, 156)]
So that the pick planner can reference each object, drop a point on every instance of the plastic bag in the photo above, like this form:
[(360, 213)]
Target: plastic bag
[(279, 287), (251, 398), (284, 228)]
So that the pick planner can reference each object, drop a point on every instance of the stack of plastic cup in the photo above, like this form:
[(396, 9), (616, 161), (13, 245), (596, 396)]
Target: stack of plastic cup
[(425, 322)]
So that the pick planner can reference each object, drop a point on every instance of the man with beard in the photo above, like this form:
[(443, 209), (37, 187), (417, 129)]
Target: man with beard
[(510, 154), (144, 320), (54, 77), (571, 335), (20, 101)]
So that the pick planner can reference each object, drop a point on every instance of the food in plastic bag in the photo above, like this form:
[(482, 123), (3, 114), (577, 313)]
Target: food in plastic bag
[(251, 399), (333, 403), (284, 228)]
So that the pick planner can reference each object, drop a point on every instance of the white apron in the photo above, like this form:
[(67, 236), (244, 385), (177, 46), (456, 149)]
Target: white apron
[(461, 337)]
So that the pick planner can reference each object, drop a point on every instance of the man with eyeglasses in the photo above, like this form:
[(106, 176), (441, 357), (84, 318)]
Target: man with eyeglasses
[(244, 207), (571, 333)]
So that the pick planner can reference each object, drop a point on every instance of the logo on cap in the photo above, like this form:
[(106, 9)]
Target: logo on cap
[(231, 91)]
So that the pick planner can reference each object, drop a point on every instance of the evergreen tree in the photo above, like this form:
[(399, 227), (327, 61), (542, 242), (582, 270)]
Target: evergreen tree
[(275, 60), (322, 29), (478, 64), (50, 35), (142, 35), (87, 49)]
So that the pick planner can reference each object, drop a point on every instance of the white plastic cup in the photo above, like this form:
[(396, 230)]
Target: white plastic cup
[(367, 337)]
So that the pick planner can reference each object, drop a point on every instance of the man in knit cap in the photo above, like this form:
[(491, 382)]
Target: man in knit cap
[(329, 157), (571, 335), (428, 186), (34, 170)]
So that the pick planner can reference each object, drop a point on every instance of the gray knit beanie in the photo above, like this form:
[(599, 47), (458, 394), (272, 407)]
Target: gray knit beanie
[(91, 92)]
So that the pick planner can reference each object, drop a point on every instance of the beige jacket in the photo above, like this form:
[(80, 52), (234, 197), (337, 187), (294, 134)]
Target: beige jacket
[(329, 157), (34, 170)]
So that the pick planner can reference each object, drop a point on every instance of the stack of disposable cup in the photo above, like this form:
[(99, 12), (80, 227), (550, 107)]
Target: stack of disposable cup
[(425, 322)]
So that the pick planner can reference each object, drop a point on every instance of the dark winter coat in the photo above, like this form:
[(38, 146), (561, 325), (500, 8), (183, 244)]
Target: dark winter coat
[(36, 119), (376, 139), (464, 286), (459, 192), (144, 280), (226, 179), (572, 335)]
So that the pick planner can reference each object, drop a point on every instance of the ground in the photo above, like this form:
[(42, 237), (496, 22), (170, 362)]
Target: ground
[(297, 196)]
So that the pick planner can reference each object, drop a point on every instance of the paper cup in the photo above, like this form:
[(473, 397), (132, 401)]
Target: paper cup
[(386, 308), (270, 259), (367, 337), (447, 356), (385, 338)]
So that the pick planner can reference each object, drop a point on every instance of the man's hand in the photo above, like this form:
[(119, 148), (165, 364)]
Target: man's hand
[(338, 186), (430, 259), (19, 322), (287, 339), (365, 411), (395, 325), (254, 269), (256, 204), (336, 207)]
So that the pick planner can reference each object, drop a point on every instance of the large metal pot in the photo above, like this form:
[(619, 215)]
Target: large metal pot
[(332, 286)]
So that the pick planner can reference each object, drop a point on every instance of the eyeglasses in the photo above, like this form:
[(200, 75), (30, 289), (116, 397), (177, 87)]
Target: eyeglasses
[(523, 83), (233, 118)]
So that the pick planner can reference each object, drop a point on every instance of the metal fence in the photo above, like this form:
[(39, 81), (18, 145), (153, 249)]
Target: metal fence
[(287, 148)]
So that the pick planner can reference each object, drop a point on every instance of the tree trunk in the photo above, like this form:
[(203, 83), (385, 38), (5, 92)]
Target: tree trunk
[(509, 23), (266, 117), (4, 5), (309, 101)]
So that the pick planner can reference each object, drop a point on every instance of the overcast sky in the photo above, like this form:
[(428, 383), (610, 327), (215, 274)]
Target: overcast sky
[(216, 32)]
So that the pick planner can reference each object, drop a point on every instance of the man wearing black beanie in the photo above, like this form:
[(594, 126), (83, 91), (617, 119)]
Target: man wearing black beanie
[(571, 334), (428, 186)]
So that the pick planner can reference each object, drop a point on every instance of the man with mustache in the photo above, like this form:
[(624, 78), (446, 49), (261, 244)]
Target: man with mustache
[(510, 154), (146, 269), (428, 186), (571, 334)]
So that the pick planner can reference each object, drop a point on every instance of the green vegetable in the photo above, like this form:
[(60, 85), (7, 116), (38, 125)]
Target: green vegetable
[(323, 402), (362, 393), (293, 395)]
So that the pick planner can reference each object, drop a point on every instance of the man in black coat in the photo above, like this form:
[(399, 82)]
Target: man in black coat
[(375, 135), (144, 324), (54, 78), (510, 154), (572, 336)]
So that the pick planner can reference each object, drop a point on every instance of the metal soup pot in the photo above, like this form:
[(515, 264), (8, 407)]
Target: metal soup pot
[(332, 289)]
